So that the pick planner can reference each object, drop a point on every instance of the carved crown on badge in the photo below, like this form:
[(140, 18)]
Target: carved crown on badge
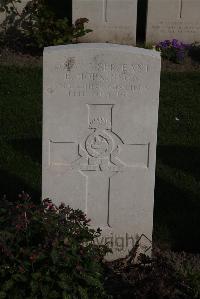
[(99, 123)]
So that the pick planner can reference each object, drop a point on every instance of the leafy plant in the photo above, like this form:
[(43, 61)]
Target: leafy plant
[(174, 50), (48, 252), (188, 265), (165, 275), (194, 52), (37, 26)]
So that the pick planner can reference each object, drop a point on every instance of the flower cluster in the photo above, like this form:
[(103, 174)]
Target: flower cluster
[(173, 50)]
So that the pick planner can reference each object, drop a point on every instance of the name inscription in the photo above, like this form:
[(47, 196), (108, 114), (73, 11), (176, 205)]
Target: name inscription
[(102, 79), (177, 27), (110, 27)]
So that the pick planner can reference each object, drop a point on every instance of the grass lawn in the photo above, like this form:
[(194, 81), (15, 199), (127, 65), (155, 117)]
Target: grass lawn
[(177, 194)]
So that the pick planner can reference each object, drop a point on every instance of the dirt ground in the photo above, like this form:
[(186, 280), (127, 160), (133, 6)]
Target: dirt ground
[(188, 66), (11, 58)]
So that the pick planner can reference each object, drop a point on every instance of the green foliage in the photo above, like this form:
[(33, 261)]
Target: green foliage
[(48, 252), (166, 275), (194, 52), (37, 26), (188, 265)]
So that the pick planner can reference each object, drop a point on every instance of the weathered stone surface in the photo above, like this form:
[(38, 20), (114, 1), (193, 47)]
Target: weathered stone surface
[(111, 20), (169, 19), (18, 6), (100, 115)]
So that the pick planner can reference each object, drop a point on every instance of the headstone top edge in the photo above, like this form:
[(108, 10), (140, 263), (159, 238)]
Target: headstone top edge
[(112, 0), (189, 1), (103, 46)]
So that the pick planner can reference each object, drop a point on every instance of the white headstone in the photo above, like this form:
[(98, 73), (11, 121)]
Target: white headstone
[(111, 20), (173, 19), (100, 115)]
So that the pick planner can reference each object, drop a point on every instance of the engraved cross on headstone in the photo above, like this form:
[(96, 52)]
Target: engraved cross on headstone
[(105, 7), (181, 8), (101, 155)]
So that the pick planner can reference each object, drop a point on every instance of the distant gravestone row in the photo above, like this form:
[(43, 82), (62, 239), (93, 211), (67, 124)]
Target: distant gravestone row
[(111, 20), (169, 19), (116, 20)]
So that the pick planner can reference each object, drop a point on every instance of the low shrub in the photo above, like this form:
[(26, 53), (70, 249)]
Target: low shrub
[(165, 275), (174, 50), (194, 52), (37, 26), (48, 252)]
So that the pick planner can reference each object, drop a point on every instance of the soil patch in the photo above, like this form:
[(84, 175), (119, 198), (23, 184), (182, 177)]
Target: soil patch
[(8, 57), (187, 66)]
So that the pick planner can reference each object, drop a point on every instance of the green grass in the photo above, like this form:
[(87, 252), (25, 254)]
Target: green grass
[(177, 193), (20, 129)]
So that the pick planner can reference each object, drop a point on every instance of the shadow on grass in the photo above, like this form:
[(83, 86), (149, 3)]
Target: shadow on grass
[(177, 206), (11, 186), (194, 53), (20, 169), (28, 147), (185, 158)]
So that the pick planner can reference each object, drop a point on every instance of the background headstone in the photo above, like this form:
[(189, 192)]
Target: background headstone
[(111, 20), (100, 114), (173, 19), (19, 7)]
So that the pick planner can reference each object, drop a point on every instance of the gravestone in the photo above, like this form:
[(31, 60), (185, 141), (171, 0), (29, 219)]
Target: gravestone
[(110, 20), (173, 19), (100, 115)]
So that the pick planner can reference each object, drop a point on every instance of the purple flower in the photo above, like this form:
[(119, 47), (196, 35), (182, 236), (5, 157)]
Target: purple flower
[(175, 43), (173, 50), (165, 44)]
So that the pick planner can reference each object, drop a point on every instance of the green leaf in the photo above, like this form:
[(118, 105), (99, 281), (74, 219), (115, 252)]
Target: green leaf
[(65, 295), (8, 285), (19, 277), (2, 295), (83, 293)]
